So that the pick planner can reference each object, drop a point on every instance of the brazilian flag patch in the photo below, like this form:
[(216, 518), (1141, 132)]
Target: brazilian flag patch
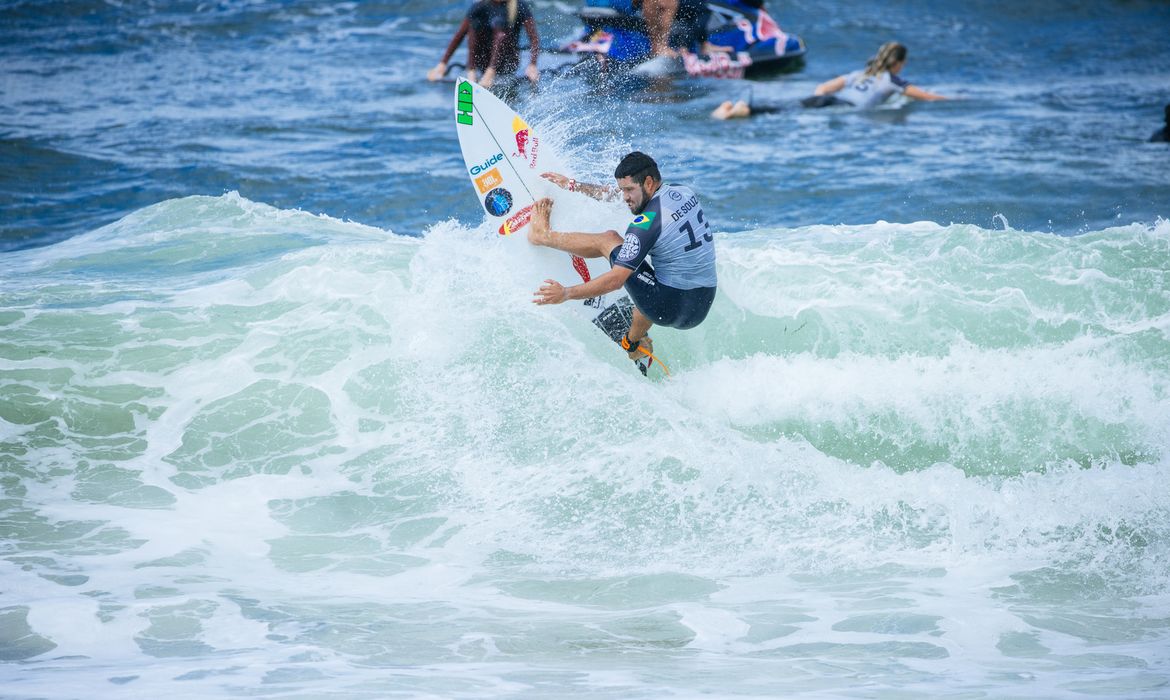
[(643, 221)]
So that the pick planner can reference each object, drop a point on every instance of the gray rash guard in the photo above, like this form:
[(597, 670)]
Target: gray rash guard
[(868, 91), (673, 232)]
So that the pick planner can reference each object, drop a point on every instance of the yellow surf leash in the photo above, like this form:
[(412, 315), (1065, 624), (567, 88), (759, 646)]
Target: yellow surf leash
[(632, 347), (654, 357)]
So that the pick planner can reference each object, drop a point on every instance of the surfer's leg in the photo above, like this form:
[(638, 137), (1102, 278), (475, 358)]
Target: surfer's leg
[(727, 110), (659, 16), (586, 245), (723, 111), (640, 326)]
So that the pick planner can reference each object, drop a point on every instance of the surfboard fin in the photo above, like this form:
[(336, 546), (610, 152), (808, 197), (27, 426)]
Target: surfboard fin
[(645, 362)]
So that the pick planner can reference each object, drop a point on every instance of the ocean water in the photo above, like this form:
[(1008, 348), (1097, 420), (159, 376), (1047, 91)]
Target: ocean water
[(276, 418)]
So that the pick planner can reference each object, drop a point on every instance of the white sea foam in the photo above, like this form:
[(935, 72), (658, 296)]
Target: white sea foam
[(342, 459)]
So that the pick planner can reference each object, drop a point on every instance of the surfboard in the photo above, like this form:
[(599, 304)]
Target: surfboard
[(504, 158)]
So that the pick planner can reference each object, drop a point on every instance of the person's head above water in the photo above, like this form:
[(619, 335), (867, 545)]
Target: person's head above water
[(888, 59), (638, 178), (1168, 116)]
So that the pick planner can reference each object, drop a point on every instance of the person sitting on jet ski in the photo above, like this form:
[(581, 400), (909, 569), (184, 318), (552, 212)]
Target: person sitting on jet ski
[(492, 28), (685, 20)]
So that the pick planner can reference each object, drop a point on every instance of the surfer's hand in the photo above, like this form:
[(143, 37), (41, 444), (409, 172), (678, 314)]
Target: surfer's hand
[(532, 72), (551, 292), (437, 72), (557, 179)]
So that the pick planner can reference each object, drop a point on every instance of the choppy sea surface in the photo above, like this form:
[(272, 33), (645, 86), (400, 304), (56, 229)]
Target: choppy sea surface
[(276, 418)]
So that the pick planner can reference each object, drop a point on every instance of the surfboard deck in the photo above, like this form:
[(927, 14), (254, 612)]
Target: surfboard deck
[(504, 158)]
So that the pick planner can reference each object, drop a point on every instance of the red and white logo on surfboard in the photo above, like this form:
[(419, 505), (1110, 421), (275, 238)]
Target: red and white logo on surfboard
[(517, 221), (527, 144)]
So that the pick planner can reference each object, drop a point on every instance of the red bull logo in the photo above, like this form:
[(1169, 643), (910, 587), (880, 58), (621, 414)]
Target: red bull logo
[(581, 267), (517, 221), (527, 145), (717, 65)]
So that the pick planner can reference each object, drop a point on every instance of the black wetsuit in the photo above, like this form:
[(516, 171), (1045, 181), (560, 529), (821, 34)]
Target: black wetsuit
[(486, 18), (1162, 135), (690, 24)]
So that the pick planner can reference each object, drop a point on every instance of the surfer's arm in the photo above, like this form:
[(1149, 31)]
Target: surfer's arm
[(472, 51), (532, 71), (553, 292), (920, 94), (499, 38), (441, 69), (603, 193), (830, 86)]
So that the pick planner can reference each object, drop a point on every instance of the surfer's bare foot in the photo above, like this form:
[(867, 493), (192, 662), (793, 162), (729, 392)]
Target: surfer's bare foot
[(538, 231), (727, 110)]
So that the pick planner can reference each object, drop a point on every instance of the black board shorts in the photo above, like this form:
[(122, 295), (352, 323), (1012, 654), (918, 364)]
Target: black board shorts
[(664, 305)]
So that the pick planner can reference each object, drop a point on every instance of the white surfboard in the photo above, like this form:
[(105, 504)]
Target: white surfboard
[(504, 159)]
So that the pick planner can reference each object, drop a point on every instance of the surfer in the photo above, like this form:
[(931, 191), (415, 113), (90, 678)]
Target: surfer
[(872, 85), (865, 88), (688, 17), (669, 230), (492, 28), (659, 16)]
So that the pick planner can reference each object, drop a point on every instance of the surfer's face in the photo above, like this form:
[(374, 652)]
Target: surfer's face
[(634, 193)]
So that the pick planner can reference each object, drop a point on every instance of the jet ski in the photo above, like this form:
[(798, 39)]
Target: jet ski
[(746, 42)]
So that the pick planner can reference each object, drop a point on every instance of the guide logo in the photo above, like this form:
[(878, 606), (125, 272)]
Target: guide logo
[(477, 169)]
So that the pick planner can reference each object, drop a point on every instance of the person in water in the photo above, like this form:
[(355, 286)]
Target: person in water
[(665, 260), (688, 17), (492, 28), (659, 16), (865, 88), (872, 85), (1162, 135)]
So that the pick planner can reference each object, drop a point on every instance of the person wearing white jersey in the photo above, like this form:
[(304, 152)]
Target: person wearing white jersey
[(665, 260), (872, 85), (865, 88)]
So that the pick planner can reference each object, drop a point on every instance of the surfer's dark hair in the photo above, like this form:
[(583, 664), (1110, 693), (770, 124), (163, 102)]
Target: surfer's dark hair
[(637, 166)]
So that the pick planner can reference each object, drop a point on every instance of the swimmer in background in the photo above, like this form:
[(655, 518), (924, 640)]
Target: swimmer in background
[(492, 28), (865, 89)]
